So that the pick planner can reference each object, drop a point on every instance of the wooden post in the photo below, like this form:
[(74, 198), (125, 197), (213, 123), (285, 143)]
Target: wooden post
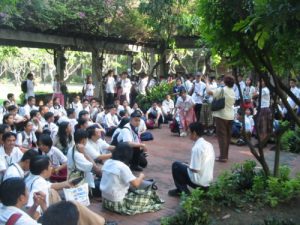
[(97, 65)]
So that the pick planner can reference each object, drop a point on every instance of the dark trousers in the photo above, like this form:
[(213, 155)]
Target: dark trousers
[(153, 117), (197, 109), (109, 98), (223, 130), (181, 178)]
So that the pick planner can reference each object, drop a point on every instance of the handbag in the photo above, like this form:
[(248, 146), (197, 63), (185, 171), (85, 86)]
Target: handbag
[(218, 103)]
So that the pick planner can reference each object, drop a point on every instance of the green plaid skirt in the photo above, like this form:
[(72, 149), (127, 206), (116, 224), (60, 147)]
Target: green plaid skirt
[(139, 201), (206, 117)]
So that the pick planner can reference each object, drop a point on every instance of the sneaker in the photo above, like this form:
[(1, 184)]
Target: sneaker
[(183, 134), (174, 193)]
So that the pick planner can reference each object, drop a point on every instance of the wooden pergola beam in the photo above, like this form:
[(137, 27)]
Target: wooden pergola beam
[(47, 41)]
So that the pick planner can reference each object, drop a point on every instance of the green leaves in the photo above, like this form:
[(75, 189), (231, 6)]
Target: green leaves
[(261, 37)]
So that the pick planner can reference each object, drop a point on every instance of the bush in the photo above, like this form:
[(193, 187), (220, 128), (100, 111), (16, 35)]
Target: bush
[(290, 141), (275, 221), (244, 185), (155, 94)]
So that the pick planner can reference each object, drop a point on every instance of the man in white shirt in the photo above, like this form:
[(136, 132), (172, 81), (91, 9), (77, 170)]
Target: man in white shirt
[(110, 87), (236, 90), (111, 121), (50, 125), (188, 84), (199, 173), (76, 104), (9, 154), (96, 148), (168, 108), (30, 86), (30, 105), (143, 83), (126, 86), (155, 114), (19, 169), (26, 139), (14, 196), (198, 94), (296, 91), (129, 134)]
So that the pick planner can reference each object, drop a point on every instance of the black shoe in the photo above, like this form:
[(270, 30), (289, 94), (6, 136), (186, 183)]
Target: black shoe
[(174, 193), (136, 168)]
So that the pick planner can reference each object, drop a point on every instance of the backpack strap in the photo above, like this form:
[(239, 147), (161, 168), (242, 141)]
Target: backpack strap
[(13, 219)]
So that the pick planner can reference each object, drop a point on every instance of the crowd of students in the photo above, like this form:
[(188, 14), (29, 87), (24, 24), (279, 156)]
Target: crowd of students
[(56, 145)]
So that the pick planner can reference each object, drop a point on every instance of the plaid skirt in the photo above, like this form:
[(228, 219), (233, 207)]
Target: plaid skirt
[(263, 122), (139, 201), (206, 117)]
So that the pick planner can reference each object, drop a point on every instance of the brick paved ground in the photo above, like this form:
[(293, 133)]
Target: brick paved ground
[(162, 152)]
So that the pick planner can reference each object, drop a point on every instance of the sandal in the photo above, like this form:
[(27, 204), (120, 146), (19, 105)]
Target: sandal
[(218, 159)]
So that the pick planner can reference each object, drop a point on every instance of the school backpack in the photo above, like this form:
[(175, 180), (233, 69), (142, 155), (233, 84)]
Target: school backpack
[(174, 126), (24, 86), (150, 124), (114, 141)]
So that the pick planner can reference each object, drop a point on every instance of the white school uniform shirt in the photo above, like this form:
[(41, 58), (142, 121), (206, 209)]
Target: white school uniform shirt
[(7, 211), (56, 157), (27, 141), (265, 97), (142, 127), (156, 111), (36, 183), (82, 164), (199, 92), (202, 159), (115, 181), (30, 89), (56, 87), (7, 160), (188, 85), (14, 170), (126, 86), (128, 135), (95, 149), (142, 85), (111, 120), (296, 92), (120, 108), (53, 129), (168, 106), (59, 111), (100, 119), (185, 104), (27, 109), (89, 89), (110, 85), (77, 106)]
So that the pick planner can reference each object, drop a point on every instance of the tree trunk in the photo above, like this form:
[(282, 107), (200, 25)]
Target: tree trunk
[(97, 65)]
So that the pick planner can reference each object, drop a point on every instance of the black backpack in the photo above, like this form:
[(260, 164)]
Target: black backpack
[(114, 141), (24, 86)]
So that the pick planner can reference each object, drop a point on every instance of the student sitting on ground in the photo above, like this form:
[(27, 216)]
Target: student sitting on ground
[(50, 126), (20, 169), (30, 105), (81, 124), (37, 125), (111, 121), (9, 153), (199, 174), (168, 108), (96, 147), (129, 134), (154, 116), (116, 180), (8, 119), (27, 139), (64, 139), (72, 213), (14, 196), (70, 118), (80, 164), (127, 107), (76, 105), (11, 99), (57, 158), (4, 128), (40, 172), (58, 109)]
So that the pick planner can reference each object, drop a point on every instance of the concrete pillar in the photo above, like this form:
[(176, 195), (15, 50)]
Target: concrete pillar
[(97, 67), (60, 62)]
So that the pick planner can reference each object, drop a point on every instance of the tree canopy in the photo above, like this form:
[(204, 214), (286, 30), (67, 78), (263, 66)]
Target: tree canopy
[(138, 21)]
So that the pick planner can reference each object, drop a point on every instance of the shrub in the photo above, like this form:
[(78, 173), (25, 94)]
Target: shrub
[(244, 184), (290, 141), (155, 94)]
